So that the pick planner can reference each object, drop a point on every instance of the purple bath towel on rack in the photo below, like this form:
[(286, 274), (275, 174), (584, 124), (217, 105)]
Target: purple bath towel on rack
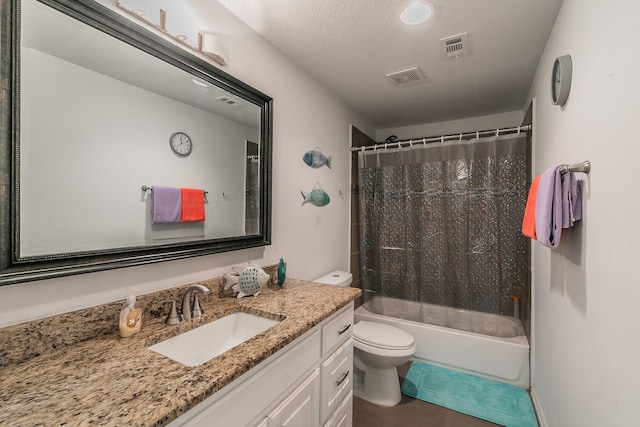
[(558, 205), (166, 204), (549, 207), (571, 200)]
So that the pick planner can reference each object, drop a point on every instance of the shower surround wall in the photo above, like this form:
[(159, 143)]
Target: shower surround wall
[(441, 224)]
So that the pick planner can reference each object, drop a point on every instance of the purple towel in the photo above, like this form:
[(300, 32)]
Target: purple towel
[(571, 200), (558, 205), (166, 204), (549, 208)]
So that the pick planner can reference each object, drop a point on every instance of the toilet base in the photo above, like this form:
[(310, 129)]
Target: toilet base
[(380, 386)]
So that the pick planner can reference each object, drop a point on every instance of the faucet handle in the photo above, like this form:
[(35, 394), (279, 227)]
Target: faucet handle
[(172, 318), (196, 310)]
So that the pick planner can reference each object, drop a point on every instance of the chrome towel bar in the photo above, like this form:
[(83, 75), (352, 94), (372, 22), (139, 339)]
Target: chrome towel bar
[(584, 167)]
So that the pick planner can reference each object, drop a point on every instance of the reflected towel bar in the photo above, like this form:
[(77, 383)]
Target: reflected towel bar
[(584, 167), (147, 188)]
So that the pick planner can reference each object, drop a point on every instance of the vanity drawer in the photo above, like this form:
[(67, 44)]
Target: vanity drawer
[(344, 415), (337, 330), (337, 379)]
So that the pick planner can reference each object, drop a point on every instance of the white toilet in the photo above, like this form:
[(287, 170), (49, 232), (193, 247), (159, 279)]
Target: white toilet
[(378, 350)]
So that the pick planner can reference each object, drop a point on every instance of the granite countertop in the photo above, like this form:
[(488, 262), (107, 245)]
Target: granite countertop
[(49, 376)]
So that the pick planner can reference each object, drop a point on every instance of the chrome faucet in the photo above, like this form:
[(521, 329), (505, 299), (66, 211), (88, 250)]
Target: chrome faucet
[(190, 311)]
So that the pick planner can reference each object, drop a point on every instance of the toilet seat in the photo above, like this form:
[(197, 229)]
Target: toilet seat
[(381, 336)]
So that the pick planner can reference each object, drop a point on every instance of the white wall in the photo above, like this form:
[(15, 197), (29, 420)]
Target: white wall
[(586, 351), (312, 240), (470, 124)]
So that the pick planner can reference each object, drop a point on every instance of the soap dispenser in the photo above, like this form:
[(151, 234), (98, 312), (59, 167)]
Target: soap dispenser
[(282, 272), (130, 317)]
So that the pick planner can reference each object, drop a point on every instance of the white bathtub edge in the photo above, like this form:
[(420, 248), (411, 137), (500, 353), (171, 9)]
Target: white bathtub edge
[(537, 407), (505, 360)]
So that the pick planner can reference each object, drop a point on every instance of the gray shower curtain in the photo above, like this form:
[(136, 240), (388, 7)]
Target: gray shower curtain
[(441, 223)]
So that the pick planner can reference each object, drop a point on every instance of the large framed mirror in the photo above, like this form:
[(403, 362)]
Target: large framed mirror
[(96, 115)]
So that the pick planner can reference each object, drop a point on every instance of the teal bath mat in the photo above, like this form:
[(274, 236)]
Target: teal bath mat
[(489, 400)]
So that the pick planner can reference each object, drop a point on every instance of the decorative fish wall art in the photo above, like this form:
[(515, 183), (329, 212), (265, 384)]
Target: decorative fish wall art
[(316, 159), (317, 197)]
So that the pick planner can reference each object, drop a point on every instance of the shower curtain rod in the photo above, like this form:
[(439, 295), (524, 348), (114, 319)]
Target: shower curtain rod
[(459, 136)]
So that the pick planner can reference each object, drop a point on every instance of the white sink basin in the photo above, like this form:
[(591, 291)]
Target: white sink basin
[(205, 342)]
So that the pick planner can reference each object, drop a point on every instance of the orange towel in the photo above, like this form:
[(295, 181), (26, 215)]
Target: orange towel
[(192, 208), (529, 220)]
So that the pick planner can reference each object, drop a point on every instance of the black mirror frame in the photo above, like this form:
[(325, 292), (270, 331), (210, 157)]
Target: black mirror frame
[(14, 269)]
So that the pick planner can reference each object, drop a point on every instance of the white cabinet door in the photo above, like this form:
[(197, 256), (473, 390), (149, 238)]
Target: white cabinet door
[(300, 408)]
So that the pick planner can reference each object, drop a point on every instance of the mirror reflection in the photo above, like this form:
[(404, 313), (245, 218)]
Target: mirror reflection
[(99, 111), (96, 119)]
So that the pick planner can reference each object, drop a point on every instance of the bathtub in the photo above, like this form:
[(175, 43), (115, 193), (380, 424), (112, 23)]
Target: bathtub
[(504, 357)]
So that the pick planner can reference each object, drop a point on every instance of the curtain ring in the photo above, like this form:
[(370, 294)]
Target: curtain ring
[(518, 130), (477, 135), (497, 132), (442, 139), (424, 141), (460, 138), (362, 148), (410, 143)]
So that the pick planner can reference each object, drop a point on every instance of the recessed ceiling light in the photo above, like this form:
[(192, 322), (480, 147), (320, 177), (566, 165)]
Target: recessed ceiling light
[(199, 83), (416, 13)]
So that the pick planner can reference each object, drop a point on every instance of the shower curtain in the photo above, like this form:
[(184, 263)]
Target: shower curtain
[(441, 223)]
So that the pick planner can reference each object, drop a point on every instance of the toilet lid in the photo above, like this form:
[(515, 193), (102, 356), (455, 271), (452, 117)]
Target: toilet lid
[(381, 335)]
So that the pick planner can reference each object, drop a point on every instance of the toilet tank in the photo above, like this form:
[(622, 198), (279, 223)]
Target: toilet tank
[(338, 278)]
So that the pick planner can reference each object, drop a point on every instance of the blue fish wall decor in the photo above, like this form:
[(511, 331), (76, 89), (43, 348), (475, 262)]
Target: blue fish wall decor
[(316, 159), (317, 197)]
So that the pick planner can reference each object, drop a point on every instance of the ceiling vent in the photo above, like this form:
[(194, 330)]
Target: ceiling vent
[(227, 100), (454, 47), (406, 77)]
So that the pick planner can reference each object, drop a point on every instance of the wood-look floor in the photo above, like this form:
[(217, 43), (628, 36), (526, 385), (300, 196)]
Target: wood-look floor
[(410, 412)]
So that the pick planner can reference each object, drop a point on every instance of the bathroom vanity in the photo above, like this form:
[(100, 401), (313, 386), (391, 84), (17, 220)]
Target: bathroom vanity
[(307, 383), (74, 368)]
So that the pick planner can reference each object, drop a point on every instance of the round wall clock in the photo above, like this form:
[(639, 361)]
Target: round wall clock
[(561, 80), (180, 143)]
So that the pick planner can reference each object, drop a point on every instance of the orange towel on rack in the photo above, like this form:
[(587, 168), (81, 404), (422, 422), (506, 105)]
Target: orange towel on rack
[(529, 220), (192, 205)]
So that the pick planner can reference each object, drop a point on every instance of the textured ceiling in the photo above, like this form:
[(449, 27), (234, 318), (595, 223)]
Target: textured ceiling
[(349, 46)]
